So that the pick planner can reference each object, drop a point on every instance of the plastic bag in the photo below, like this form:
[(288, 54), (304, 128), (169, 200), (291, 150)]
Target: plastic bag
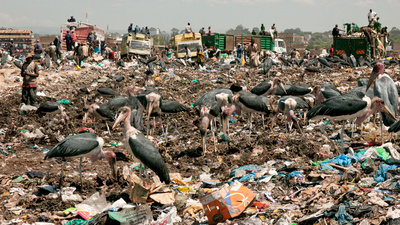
[(342, 216)]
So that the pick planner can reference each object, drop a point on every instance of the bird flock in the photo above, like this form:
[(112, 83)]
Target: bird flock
[(299, 104)]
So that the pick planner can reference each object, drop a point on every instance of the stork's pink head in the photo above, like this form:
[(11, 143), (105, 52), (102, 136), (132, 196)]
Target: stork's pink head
[(377, 104), (379, 69), (111, 158), (277, 82), (131, 90)]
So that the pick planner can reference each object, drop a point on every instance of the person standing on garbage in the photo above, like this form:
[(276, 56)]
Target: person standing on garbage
[(209, 31), (377, 26), (262, 29), (90, 38), (57, 43), (335, 31), (274, 31), (11, 48), (29, 72), (371, 17), (354, 28), (239, 51), (38, 48), (331, 51), (68, 40), (130, 28), (74, 38), (78, 54), (137, 29), (201, 31), (188, 54), (109, 54), (200, 58), (188, 28)]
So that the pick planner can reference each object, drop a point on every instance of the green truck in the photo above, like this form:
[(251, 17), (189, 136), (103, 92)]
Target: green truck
[(263, 42), (219, 41), (358, 46)]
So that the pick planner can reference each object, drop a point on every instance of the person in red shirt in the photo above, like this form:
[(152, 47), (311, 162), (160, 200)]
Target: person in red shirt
[(74, 38), (29, 72), (331, 51)]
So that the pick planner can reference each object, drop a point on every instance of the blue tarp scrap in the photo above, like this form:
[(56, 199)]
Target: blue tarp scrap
[(256, 168), (325, 167), (381, 174), (294, 173), (343, 160), (341, 216)]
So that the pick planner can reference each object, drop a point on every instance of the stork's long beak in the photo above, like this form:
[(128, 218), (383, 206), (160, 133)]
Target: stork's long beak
[(295, 122), (372, 78), (282, 87), (118, 120), (387, 111)]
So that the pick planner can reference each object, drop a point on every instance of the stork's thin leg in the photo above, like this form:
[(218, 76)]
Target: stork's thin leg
[(381, 129), (262, 116), (341, 136), (61, 175), (166, 127), (176, 131), (352, 128), (140, 171), (48, 123), (213, 134), (148, 127), (80, 171), (108, 129), (305, 116), (53, 122), (326, 135), (250, 124), (228, 130), (162, 127)]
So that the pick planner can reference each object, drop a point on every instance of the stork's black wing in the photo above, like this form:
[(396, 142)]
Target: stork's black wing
[(48, 107), (338, 106), (253, 101), (172, 107), (262, 87), (76, 145), (145, 151)]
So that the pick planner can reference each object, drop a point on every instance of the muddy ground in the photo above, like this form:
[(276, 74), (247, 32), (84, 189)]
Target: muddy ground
[(182, 152)]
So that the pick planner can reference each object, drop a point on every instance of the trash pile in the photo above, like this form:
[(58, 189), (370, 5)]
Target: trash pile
[(269, 177)]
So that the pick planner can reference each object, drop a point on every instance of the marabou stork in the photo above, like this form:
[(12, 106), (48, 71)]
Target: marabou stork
[(172, 107), (79, 146), (152, 100), (384, 88), (347, 107), (139, 146), (268, 87), (99, 112), (250, 103), (287, 105), (51, 108)]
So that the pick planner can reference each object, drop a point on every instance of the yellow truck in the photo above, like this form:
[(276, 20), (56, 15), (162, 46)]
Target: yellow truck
[(136, 44), (193, 42)]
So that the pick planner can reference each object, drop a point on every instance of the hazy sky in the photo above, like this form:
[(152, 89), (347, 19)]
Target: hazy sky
[(309, 15)]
